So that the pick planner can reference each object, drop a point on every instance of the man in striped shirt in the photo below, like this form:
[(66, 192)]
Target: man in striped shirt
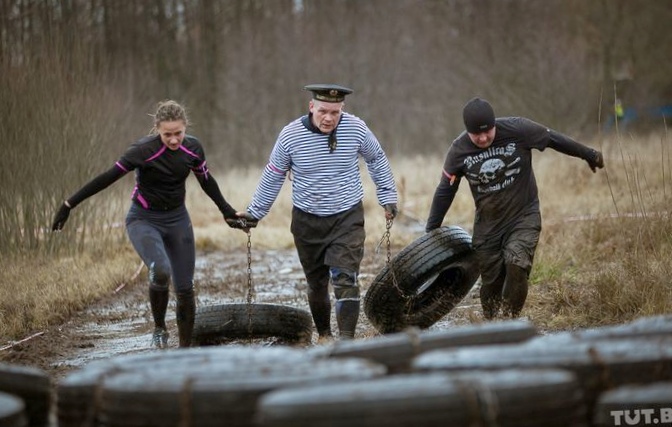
[(321, 150)]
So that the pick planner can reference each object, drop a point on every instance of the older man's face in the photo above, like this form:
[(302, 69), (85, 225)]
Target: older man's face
[(326, 114)]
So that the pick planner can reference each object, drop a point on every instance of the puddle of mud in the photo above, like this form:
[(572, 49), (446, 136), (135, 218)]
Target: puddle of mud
[(109, 333), (124, 324)]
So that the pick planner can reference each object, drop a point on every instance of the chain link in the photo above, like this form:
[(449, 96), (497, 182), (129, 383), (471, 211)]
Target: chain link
[(388, 244), (386, 236), (250, 287)]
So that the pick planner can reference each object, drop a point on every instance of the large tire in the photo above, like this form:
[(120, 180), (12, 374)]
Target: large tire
[(423, 282), (599, 365), (78, 393), (396, 351), (223, 392), (645, 327), (33, 386), (231, 321), (507, 398), (12, 411)]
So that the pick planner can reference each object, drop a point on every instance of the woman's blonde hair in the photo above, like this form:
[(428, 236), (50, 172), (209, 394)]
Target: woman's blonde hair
[(168, 111)]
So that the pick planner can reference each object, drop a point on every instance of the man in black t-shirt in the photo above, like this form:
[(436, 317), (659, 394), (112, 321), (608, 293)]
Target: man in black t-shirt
[(495, 157)]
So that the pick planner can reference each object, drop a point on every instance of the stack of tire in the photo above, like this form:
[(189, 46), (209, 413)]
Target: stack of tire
[(599, 377), (206, 386), (497, 373), (222, 385), (493, 374)]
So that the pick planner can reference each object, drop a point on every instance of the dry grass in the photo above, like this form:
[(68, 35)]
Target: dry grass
[(604, 253), (41, 291), (608, 268)]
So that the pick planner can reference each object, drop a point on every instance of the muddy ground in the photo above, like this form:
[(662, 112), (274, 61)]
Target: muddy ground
[(121, 322)]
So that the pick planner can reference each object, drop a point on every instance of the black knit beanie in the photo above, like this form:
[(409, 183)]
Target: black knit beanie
[(478, 116)]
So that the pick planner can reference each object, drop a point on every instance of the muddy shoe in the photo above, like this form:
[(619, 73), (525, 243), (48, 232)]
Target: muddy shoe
[(160, 338), (325, 339)]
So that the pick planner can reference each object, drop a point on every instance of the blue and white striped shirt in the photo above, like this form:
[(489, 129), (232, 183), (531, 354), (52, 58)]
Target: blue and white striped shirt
[(324, 183)]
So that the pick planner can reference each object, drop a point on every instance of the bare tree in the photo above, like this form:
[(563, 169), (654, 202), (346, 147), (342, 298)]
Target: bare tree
[(240, 65)]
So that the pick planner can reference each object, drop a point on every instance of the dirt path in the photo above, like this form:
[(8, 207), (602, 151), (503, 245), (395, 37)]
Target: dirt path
[(121, 322)]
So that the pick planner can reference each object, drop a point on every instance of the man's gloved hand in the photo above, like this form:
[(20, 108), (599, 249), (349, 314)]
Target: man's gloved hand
[(391, 210), (595, 160), (243, 221), (61, 217)]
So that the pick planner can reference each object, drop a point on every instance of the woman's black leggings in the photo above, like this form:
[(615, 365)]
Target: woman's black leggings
[(165, 242)]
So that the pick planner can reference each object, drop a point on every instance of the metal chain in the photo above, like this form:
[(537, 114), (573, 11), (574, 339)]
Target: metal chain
[(386, 238), (250, 287)]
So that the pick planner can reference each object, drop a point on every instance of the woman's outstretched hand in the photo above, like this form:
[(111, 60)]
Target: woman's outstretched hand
[(61, 217)]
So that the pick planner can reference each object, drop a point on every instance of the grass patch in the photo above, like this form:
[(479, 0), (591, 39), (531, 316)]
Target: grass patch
[(616, 270), (43, 291)]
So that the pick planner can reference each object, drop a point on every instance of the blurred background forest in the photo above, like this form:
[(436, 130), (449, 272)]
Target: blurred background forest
[(240, 65), (78, 78)]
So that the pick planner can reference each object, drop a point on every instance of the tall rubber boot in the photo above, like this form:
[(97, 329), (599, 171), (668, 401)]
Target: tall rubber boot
[(320, 308), (346, 292), (185, 313), (347, 314), (158, 301), (514, 293), (491, 297)]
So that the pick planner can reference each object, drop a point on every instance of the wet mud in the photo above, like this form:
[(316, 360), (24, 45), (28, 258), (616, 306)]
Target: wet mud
[(121, 322)]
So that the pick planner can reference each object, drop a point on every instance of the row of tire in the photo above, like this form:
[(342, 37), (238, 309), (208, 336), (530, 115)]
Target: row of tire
[(500, 373)]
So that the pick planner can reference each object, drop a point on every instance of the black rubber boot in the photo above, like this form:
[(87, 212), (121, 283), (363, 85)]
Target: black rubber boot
[(158, 301), (346, 292), (185, 313), (514, 293), (320, 308), (347, 314), (491, 297)]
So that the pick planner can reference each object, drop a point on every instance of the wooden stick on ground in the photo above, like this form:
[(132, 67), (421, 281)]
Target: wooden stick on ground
[(7, 347), (137, 273)]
